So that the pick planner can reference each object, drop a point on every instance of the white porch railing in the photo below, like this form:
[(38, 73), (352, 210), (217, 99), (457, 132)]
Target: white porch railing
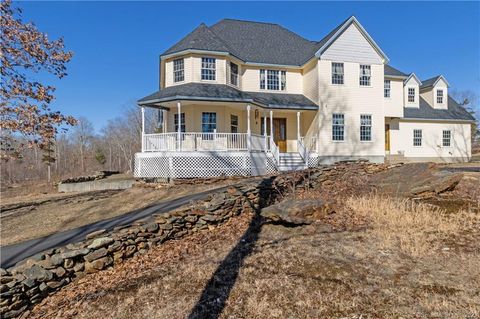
[(202, 142), (310, 143), (275, 151), (302, 150)]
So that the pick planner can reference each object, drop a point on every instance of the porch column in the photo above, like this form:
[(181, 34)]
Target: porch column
[(298, 126), (164, 119), (249, 132), (265, 129), (271, 125), (143, 129), (179, 125)]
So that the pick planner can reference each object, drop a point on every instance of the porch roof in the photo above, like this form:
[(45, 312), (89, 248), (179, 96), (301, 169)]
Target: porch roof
[(226, 93)]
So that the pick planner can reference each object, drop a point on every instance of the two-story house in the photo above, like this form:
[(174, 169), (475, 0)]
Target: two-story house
[(250, 98)]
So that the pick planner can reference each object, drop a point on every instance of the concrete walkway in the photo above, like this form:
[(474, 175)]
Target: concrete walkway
[(12, 254)]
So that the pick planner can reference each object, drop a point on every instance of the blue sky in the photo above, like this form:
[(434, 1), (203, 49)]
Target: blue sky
[(117, 44)]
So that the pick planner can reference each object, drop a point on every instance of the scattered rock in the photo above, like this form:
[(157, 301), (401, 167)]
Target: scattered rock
[(96, 254), (101, 242), (38, 273)]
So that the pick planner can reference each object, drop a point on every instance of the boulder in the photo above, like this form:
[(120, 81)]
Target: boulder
[(98, 264), (96, 254), (38, 273), (100, 242), (297, 212)]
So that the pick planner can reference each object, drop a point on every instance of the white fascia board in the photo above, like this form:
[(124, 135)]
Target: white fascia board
[(364, 32)]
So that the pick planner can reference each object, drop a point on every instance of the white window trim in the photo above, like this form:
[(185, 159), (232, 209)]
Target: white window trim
[(443, 146), (421, 138), (360, 75), (389, 89), (183, 70), (343, 74), (279, 81), (344, 129), (414, 94), (437, 96), (230, 74), (371, 129), (201, 67)]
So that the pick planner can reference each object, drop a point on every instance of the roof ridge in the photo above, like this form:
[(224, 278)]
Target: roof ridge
[(249, 21)]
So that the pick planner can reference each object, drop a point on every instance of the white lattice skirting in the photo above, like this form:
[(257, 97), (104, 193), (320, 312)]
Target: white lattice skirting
[(202, 164)]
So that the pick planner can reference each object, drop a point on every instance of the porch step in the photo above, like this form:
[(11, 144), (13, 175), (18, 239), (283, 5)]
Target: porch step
[(291, 162)]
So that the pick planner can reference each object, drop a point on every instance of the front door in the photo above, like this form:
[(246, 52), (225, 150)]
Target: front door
[(387, 137), (279, 132)]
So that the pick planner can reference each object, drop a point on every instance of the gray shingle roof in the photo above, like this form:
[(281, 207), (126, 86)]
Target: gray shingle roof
[(202, 38), (255, 42), (391, 71), (226, 93), (429, 82), (425, 111)]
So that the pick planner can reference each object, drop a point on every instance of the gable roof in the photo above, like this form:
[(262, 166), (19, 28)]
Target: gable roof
[(413, 75), (454, 111), (260, 42), (341, 28), (433, 81), (390, 71), (226, 93)]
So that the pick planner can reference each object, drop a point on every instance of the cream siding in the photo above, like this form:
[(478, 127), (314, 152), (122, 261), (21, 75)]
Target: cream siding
[(310, 80), (401, 140), (352, 46), (394, 104), (251, 79), (352, 100)]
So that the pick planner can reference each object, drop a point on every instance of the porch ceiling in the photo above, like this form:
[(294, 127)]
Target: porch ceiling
[(226, 93)]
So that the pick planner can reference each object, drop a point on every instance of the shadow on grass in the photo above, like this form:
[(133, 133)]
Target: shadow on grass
[(216, 292)]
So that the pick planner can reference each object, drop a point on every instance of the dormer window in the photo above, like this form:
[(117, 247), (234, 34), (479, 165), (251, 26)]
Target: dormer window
[(439, 96), (208, 69), (411, 95), (274, 80), (233, 74), (178, 70), (365, 75)]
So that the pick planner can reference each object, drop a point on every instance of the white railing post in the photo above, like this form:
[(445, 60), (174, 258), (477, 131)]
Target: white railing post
[(271, 125), (143, 129), (164, 118), (265, 130), (249, 132), (298, 126), (179, 125)]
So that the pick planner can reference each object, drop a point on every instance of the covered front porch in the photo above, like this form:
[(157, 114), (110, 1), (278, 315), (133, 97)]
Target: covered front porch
[(205, 138)]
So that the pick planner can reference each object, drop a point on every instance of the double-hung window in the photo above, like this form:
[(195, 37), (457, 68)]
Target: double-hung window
[(440, 96), (178, 70), (365, 75), (446, 138), (417, 137), (233, 74), (337, 73), (274, 80), (365, 127), (386, 88), (182, 122), (338, 127), (209, 122), (233, 123), (208, 69), (411, 95)]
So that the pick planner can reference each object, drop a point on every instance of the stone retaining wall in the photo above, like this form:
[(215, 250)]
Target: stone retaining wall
[(31, 280)]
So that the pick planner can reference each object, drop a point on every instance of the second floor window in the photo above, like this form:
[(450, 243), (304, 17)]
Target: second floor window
[(178, 70), (411, 95), (233, 74), (338, 127), (337, 73), (273, 80), (365, 127), (208, 69), (365, 74), (386, 88), (440, 96), (417, 137)]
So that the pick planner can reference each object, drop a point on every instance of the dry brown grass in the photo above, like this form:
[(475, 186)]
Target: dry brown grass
[(415, 228), (396, 267)]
